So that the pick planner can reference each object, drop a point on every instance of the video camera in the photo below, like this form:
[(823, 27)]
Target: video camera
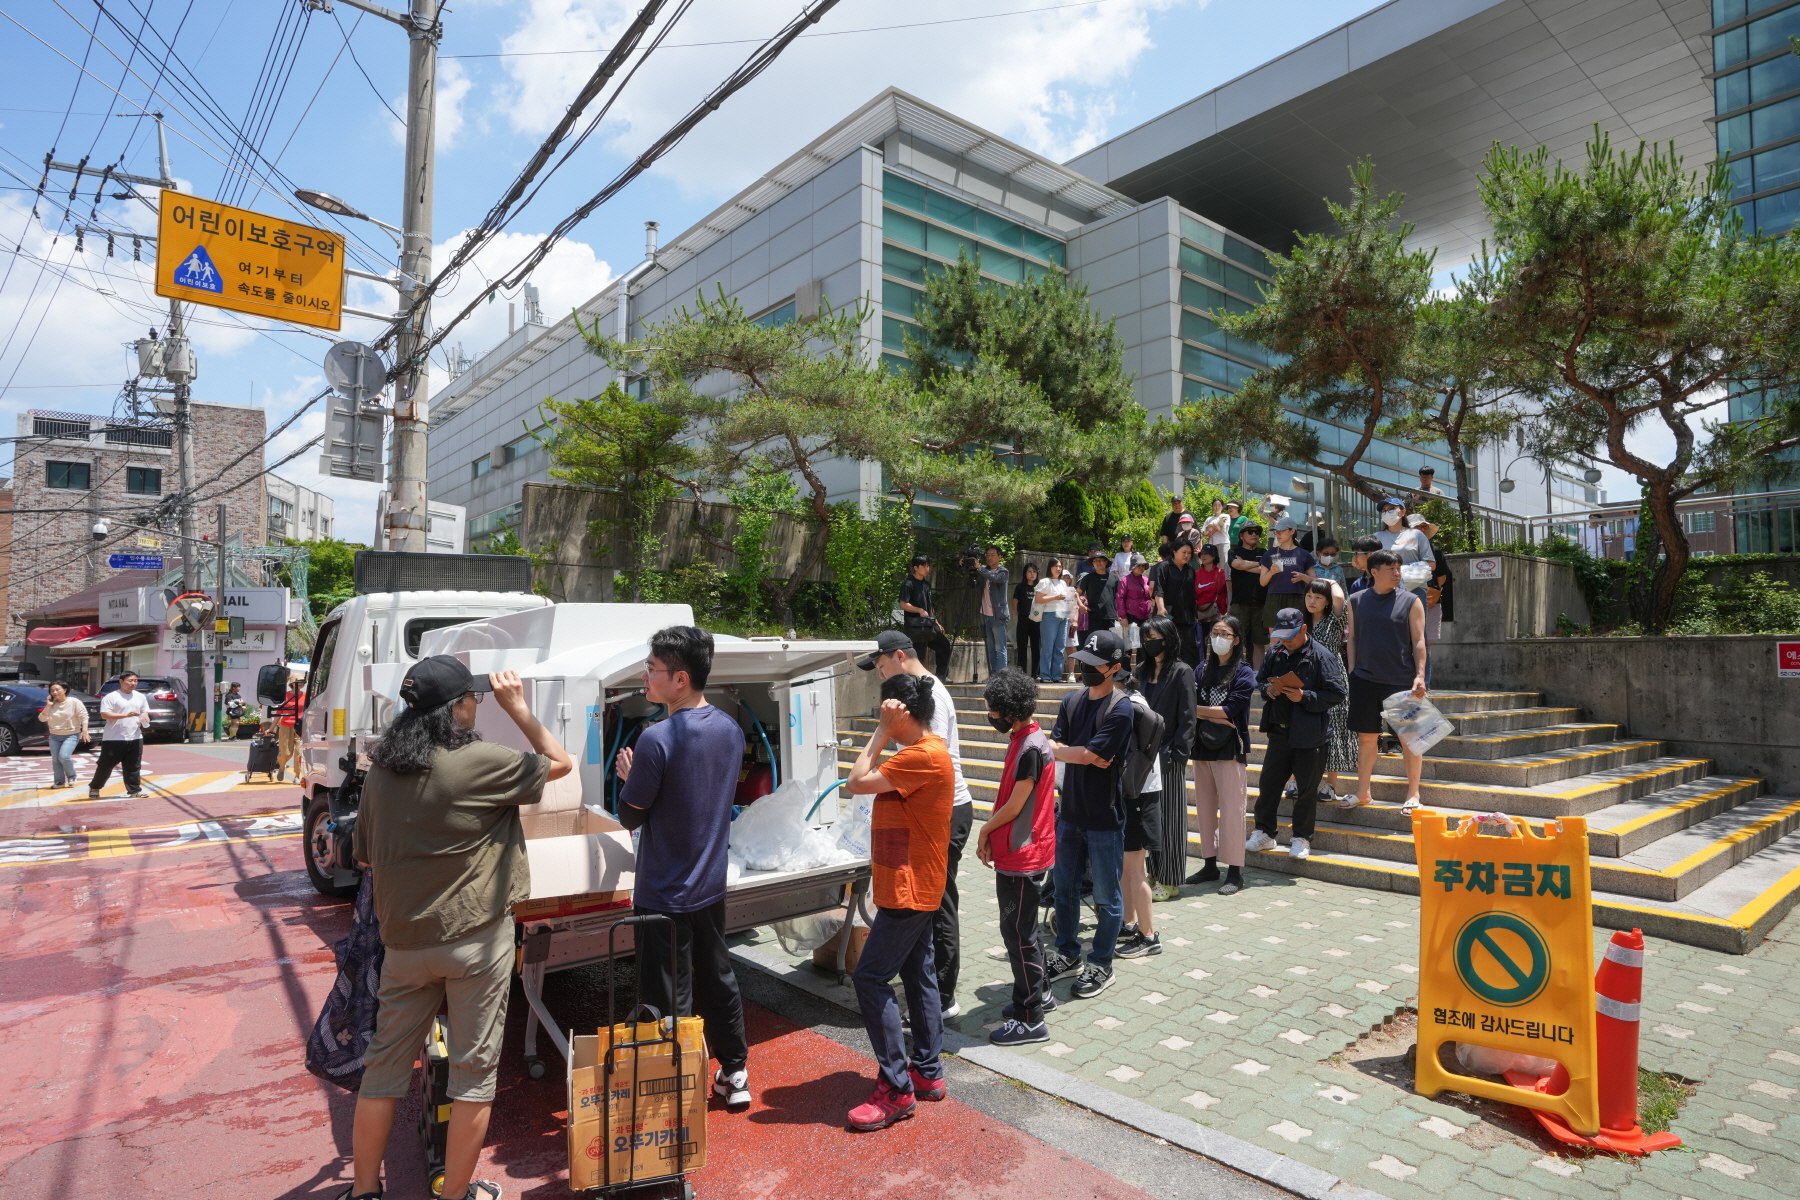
[(971, 557)]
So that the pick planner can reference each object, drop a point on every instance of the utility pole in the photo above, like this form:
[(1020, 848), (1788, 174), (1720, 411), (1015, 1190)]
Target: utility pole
[(221, 636), (407, 517)]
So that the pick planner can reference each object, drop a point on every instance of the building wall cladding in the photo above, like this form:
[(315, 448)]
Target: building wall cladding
[(53, 552)]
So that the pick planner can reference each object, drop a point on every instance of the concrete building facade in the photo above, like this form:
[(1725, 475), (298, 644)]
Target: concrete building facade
[(296, 514), (73, 470)]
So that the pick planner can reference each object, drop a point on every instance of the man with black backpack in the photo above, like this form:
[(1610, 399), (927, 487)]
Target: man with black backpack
[(1093, 737)]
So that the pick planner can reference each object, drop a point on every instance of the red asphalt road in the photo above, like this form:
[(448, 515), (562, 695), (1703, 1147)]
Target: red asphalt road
[(156, 1006)]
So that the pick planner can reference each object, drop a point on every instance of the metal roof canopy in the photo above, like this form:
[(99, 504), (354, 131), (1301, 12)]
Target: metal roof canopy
[(1425, 87)]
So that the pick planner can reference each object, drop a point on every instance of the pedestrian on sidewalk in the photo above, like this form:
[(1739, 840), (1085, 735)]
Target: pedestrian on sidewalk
[(1248, 591), (1092, 737), (66, 720), (993, 576), (1168, 684), (1056, 598), (909, 834), (1026, 617), (1223, 692), (918, 613), (679, 784), (1385, 648), (1019, 843), (1300, 682), (1327, 621), (895, 656), (1094, 594), (127, 714), (234, 709), (1175, 591), (287, 725), (439, 832)]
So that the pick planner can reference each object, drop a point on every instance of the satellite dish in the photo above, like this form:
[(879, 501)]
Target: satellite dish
[(190, 612), (355, 371)]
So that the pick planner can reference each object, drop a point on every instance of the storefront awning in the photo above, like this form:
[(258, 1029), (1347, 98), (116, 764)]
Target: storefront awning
[(105, 641), (56, 635)]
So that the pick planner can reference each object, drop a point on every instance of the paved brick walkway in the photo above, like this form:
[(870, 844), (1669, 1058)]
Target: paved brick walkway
[(1242, 1022)]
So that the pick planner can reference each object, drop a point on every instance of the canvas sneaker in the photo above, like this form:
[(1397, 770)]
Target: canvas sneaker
[(1011, 1013), (1141, 946), (1094, 980), (882, 1108), (1057, 967), (1018, 1033), (734, 1088), (1259, 841), (927, 1089), (1299, 848)]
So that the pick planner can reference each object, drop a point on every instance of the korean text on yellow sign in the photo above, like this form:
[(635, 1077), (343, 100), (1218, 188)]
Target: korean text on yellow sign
[(1506, 955), (228, 257)]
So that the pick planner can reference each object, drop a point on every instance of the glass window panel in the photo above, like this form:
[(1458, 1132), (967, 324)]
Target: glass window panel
[(946, 243), (996, 229), (903, 228), (1195, 361), (1775, 122), (1732, 91), (999, 262), (1772, 32), (940, 207), (1727, 10), (1772, 78), (1775, 214), (1193, 389), (1742, 179), (893, 334), (1198, 295), (779, 316), (1734, 134), (1042, 245), (895, 363), (1195, 262), (898, 298), (1249, 255), (1775, 168), (904, 263), (1731, 47), (1197, 328), (904, 192), (1201, 232), (1748, 213)]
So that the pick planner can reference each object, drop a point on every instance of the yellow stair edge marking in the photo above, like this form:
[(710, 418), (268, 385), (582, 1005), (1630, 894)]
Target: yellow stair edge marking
[(1680, 806), (1753, 912), (1566, 727), (1731, 839)]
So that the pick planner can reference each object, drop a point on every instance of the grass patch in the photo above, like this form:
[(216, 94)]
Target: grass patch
[(1660, 1097)]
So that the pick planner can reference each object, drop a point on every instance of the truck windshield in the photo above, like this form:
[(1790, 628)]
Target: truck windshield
[(418, 627)]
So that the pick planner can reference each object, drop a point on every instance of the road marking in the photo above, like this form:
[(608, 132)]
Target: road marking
[(111, 843)]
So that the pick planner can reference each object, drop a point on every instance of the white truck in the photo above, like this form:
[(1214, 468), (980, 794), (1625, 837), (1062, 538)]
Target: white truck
[(582, 666)]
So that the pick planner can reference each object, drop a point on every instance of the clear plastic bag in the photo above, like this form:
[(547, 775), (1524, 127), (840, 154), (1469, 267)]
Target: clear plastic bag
[(803, 935), (1415, 575), (1418, 723), (772, 834), (1484, 1060), (852, 828)]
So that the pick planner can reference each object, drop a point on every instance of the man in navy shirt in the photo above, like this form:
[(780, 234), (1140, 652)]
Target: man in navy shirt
[(1092, 736), (679, 784)]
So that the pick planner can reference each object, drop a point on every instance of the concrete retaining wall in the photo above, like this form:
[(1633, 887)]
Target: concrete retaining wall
[(1523, 602)]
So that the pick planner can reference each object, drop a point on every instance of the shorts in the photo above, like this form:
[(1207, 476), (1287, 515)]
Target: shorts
[(1143, 821), (474, 974), (1276, 601), (1256, 630), (1366, 696)]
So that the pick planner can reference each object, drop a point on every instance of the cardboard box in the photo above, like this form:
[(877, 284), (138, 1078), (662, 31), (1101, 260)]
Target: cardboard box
[(569, 906), (664, 1138), (597, 858), (825, 957)]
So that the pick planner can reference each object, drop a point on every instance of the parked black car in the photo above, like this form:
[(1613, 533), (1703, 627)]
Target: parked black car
[(168, 703), (19, 723)]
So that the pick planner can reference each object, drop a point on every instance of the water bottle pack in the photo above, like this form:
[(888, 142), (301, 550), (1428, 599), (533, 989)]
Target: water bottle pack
[(1418, 722)]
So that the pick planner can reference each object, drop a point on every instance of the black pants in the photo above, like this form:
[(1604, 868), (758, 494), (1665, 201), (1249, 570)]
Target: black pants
[(945, 935), (1031, 642), (1184, 634), (1019, 896), (928, 637), (704, 986), (1306, 767), (128, 755)]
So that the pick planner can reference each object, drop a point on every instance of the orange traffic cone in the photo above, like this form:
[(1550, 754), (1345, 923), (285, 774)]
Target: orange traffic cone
[(1618, 987)]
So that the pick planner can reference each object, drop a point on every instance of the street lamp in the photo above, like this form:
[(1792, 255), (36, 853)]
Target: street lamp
[(326, 202)]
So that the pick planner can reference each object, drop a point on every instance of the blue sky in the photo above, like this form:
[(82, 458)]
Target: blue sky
[(1058, 78)]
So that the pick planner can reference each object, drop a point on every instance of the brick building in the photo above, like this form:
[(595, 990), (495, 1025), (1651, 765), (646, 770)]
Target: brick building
[(79, 468)]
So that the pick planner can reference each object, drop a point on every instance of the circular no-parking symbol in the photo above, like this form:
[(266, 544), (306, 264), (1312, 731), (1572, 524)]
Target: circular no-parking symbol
[(1502, 958)]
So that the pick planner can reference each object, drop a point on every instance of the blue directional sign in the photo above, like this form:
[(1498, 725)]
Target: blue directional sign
[(135, 562)]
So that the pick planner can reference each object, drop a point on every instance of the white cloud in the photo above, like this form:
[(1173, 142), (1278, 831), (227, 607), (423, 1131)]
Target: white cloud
[(1041, 79)]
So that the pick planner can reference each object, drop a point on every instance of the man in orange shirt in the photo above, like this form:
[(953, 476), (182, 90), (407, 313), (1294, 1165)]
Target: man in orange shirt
[(914, 789)]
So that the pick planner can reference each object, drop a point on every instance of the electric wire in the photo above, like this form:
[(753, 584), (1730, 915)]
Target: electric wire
[(361, 68)]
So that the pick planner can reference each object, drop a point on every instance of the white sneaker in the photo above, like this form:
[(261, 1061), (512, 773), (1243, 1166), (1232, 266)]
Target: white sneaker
[(1299, 848), (734, 1088), (1410, 803), (1259, 841), (953, 1010), (1350, 800)]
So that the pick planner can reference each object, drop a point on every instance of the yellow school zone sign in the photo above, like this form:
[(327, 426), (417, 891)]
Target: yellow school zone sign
[(1506, 955), (248, 262)]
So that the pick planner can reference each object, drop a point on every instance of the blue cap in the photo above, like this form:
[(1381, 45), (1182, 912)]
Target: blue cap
[(1288, 623), (1392, 501)]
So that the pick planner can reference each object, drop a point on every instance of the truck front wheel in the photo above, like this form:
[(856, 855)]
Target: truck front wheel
[(318, 850)]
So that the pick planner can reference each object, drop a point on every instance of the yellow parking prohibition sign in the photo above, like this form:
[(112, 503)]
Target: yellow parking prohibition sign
[(1506, 956), (229, 257)]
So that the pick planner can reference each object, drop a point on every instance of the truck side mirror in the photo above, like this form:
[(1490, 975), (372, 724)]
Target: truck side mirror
[(271, 683)]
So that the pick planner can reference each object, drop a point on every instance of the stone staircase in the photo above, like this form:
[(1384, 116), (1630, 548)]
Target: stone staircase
[(1677, 849)]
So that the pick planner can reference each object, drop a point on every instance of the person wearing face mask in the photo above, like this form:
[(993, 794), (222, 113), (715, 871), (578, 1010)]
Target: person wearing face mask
[(1221, 749), (1326, 565), (1176, 597), (1403, 538), (1093, 735), (1301, 681), (1168, 684), (1019, 843)]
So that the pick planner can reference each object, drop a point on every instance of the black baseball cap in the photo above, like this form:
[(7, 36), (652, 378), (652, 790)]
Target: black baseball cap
[(1101, 648), (438, 680), (886, 642)]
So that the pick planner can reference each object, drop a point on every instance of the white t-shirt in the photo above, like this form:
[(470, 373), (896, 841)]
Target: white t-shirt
[(1064, 592), (1409, 544), (119, 702), (943, 723), (1217, 531)]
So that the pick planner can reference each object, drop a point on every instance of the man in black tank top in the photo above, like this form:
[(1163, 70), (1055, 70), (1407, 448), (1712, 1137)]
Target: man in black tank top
[(1385, 645)]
